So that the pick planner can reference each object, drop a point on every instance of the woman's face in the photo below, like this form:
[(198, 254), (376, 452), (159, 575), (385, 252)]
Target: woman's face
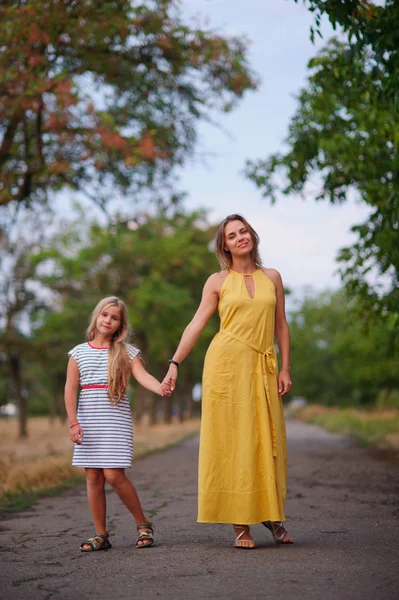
[(237, 239)]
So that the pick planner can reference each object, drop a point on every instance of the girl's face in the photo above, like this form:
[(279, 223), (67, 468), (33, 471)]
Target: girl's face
[(109, 320), (237, 239)]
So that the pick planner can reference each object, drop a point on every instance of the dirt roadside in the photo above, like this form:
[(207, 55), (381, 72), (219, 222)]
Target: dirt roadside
[(342, 509)]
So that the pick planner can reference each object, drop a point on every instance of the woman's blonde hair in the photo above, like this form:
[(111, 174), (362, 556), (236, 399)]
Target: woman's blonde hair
[(118, 358), (224, 256)]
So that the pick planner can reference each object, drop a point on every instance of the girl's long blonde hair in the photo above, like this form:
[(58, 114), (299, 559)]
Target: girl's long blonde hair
[(224, 256), (118, 358)]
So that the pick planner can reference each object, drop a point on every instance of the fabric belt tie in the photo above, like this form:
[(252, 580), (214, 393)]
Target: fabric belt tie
[(269, 356), (95, 386)]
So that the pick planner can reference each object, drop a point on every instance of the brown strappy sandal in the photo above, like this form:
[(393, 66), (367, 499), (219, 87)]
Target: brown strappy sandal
[(146, 536), (99, 541)]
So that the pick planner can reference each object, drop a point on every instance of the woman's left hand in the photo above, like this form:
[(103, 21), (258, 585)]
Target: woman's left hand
[(284, 382)]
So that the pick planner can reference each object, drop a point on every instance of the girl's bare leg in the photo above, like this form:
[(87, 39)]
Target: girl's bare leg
[(95, 482), (126, 492)]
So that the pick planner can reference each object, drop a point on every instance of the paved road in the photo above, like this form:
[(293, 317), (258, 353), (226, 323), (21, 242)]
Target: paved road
[(342, 510)]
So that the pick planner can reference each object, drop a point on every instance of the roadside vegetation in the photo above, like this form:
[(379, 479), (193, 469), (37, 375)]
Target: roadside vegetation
[(40, 464), (111, 115), (374, 428)]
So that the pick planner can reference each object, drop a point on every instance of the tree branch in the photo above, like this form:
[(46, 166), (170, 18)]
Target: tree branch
[(9, 137)]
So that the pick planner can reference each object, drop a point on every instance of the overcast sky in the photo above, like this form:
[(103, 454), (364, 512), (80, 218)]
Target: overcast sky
[(299, 238)]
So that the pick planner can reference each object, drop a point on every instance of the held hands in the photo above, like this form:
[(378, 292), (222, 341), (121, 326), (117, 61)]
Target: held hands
[(169, 381), (165, 388), (76, 433), (284, 382)]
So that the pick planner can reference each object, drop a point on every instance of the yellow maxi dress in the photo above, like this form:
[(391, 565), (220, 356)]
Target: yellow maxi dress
[(243, 457)]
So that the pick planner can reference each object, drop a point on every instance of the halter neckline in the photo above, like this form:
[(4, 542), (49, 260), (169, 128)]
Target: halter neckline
[(245, 274)]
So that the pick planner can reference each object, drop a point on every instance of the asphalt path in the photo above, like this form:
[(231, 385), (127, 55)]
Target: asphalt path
[(342, 510)]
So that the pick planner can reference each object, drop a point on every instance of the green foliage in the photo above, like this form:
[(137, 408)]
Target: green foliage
[(156, 264), (105, 96), (366, 24), (19, 299), (335, 360), (344, 139)]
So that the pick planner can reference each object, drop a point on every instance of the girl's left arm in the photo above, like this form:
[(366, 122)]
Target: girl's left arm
[(144, 378), (282, 334)]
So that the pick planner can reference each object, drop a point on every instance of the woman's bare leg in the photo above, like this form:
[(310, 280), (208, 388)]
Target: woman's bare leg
[(245, 540)]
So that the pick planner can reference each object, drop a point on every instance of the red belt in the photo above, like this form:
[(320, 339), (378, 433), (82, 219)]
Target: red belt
[(95, 386)]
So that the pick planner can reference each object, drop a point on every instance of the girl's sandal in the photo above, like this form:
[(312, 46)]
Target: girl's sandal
[(243, 544), (146, 536), (97, 542), (278, 532)]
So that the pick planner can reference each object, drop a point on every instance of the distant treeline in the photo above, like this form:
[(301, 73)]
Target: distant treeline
[(340, 359), (158, 265)]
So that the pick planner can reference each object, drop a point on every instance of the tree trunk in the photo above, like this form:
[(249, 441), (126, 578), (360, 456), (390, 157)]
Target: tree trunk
[(139, 404), (168, 404), (194, 409), (184, 399), (15, 369), (153, 409), (186, 404)]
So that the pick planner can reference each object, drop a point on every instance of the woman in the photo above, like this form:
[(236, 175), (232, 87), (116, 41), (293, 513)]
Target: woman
[(242, 460)]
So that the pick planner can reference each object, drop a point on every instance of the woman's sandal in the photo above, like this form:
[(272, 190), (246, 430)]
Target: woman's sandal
[(146, 536), (97, 542), (278, 531), (243, 544)]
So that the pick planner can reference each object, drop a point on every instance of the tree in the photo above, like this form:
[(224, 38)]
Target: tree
[(19, 299), (156, 264), (335, 360), (105, 96), (344, 138), (368, 25)]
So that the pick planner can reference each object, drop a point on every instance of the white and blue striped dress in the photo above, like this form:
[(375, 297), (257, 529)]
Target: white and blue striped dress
[(107, 428)]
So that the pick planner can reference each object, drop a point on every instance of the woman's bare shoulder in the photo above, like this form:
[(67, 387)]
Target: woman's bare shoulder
[(272, 274), (216, 280)]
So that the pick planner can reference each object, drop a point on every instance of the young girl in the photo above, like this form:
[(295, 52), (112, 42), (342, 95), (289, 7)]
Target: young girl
[(101, 428)]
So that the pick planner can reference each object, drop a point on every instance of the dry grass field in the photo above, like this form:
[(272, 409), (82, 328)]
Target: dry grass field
[(377, 428), (43, 460)]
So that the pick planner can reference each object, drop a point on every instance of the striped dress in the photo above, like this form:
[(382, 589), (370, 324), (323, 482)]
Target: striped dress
[(107, 428)]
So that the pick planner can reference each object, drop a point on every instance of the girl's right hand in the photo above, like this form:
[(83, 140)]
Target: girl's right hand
[(170, 377), (76, 434), (165, 388)]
